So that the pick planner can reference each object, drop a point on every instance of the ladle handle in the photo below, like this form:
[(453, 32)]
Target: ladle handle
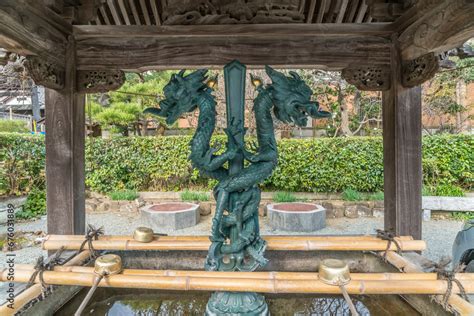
[(348, 301), (89, 295)]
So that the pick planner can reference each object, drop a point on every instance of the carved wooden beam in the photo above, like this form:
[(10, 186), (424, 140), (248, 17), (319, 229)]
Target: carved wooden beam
[(435, 26), (45, 73), (419, 70), (95, 81), (368, 78), (27, 27)]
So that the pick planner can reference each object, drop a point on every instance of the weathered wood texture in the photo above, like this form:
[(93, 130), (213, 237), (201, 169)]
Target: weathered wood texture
[(402, 153), (141, 47), (65, 142), (435, 26), (29, 28)]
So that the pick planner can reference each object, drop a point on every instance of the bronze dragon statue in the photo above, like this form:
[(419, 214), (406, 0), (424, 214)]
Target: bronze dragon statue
[(236, 242)]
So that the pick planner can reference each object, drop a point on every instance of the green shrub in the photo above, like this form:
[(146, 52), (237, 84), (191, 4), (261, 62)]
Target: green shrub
[(377, 196), (13, 126), (284, 197), (192, 196), (124, 195), (447, 190), (463, 216), (352, 195), (35, 205), (161, 163)]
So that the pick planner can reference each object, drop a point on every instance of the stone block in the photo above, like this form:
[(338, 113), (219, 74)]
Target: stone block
[(114, 206), (103, 207), (377, 212), (172, 215), (351, 211), (205, 208), (90, 207), (128, 207), (379, 204), (297, 217), (364, 211), (335, 213)]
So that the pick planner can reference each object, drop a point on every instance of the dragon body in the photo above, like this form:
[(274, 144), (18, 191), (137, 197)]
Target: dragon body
[(236, 242)]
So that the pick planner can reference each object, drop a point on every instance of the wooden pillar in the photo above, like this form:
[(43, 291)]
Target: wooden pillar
[(402, 153), (65, 141)]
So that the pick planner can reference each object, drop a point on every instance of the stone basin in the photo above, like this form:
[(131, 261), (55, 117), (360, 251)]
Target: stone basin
[(171, 215), (296, 217)]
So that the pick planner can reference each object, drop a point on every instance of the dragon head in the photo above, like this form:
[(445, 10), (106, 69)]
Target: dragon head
[(181, 94), (292, 98)]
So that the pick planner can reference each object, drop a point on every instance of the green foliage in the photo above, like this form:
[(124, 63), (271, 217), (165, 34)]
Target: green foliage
[(161, 163), (377, 196), (192, 196), (22, 159), (447, 190), (124, 195), (13, 126), (462, 216), (282, 197), (35, 205), (352, 195)]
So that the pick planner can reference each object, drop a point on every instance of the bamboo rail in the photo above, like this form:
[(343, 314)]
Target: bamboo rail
[(191, 283), (295, 243), (274, 275), (457, 303), (35, 290)]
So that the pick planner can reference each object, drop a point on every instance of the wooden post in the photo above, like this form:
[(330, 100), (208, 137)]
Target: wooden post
[(402, 153), (65, 141)]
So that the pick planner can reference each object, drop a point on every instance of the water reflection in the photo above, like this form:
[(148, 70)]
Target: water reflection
[(148, 303)]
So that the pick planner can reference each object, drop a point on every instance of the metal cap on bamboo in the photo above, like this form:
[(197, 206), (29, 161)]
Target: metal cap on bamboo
[(143, 234), (108, 264), (334, 272)]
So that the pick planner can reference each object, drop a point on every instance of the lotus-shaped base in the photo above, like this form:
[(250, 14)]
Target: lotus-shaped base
[(236, 303)]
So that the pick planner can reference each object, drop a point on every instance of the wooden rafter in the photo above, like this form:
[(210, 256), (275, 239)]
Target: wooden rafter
[(134, 12), (312, 7), (322, 9), (114, 12), (145, 12), (353, 10), (123, 9), (156, 14), (361, 13), (104, 15), (342, 11)]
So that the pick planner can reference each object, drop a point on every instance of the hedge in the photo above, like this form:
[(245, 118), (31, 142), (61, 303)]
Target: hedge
[(313, 165)]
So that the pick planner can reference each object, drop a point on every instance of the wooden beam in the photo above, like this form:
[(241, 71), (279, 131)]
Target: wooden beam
[(65, 143), (402, 153), (307, 45), (29, 28), (435, 26)]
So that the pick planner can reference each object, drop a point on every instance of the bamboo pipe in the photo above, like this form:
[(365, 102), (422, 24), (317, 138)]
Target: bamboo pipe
[(245, 284), (302, 244), (35, 290), (255, 275), (206, 238), (457, 303)]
